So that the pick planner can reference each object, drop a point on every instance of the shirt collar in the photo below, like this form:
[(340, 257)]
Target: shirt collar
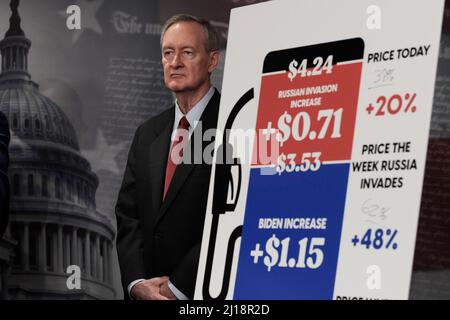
[(194, 115)]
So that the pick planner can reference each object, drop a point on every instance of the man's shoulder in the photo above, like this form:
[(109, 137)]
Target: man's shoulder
[(4, 126), (3, 119), (157, 122)]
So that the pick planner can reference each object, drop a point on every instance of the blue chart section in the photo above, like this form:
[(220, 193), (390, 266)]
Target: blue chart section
[(318, 194)]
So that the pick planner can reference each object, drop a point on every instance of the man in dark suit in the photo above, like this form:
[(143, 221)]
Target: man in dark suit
[(4, 184), (161, 204)]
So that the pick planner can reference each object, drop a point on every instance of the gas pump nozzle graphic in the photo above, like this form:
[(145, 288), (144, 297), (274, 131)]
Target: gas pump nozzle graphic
[(223, 181)]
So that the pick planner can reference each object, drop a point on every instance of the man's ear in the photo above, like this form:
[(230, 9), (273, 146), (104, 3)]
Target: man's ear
[(214, 57)]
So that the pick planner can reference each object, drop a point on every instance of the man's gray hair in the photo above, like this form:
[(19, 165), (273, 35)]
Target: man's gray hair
[(211, 35)]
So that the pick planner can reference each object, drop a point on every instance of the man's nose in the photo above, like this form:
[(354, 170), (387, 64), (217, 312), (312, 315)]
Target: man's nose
[(176, 61)]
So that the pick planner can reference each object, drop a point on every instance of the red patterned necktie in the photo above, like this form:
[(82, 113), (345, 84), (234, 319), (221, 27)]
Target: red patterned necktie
[(181, 133)]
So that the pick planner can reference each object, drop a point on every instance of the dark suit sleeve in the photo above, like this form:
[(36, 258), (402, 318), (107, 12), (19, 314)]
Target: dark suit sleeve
[(129, 233), (185, 275), (4, 183)]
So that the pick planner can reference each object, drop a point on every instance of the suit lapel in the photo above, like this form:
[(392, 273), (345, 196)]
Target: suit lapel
[(159, 151), (182, 171)]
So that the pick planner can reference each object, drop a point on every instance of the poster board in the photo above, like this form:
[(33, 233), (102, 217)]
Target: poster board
[(346, 90)]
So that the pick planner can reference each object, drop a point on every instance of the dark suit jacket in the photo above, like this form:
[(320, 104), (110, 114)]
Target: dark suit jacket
[(4, 184), (162, 238)]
